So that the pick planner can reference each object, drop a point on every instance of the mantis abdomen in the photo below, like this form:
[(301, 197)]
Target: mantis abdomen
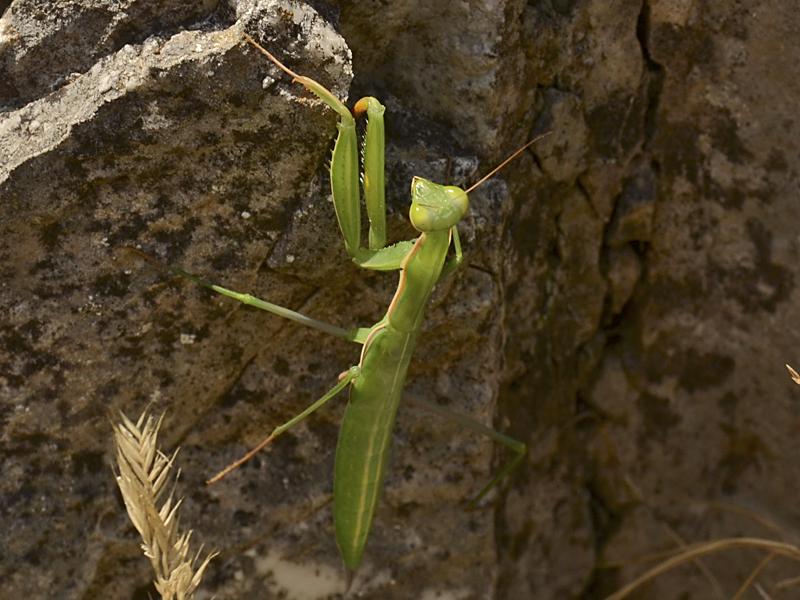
[(365, 437), (365, 434)]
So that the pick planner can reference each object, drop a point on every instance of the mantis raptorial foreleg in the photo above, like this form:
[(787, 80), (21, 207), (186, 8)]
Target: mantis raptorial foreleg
[(344, 174)]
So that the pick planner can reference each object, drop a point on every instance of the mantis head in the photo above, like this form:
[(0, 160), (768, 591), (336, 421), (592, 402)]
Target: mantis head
[(436, 207)]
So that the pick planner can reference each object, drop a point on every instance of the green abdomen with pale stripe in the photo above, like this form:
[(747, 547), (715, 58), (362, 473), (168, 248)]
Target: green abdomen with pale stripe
[(364, 438)]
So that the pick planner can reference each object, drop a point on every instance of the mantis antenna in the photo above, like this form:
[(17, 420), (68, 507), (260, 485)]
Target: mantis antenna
[(506, 161)]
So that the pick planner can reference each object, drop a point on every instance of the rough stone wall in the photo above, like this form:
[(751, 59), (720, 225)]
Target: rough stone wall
[(656, 276), (626, 308), (183, 142)]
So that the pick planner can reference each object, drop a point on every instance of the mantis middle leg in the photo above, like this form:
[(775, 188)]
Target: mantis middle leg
[(357, 335), (520, 449)]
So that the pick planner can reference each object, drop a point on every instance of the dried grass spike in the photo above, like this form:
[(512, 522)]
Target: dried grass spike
[(143, 474), (795, 375)]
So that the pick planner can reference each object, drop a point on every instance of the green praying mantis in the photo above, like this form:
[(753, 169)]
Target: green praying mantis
[(376, 382)]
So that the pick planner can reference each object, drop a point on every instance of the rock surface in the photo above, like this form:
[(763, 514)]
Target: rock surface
[(626, 308)]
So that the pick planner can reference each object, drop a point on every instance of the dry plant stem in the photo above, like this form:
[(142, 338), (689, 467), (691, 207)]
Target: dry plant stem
[(701, 566), (752, 577), (775, 548), (748, 514), (787, 583), (144, 472), (764, 595)]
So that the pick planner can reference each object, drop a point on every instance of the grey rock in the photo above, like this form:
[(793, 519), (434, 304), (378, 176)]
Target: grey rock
[(45, 44), (633, 216), (624, 271)]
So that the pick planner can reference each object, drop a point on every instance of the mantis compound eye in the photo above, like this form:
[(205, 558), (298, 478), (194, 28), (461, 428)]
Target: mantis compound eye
[(459, 201)]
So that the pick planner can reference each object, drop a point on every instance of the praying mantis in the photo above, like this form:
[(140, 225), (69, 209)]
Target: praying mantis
[(376, 382)]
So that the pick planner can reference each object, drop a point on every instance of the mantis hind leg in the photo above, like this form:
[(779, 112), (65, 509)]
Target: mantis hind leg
[(520, 449), (344, 380)]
